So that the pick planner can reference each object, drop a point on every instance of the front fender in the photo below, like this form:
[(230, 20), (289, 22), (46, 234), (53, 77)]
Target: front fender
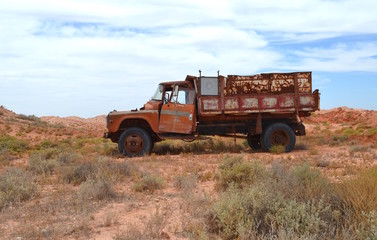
[(115, 119)]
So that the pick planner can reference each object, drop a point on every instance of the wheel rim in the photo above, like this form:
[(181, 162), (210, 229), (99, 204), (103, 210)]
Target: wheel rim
[(279, 138), (134, 143)]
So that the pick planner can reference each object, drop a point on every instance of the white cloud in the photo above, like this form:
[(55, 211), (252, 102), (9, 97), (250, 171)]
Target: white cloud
[(98, 52)]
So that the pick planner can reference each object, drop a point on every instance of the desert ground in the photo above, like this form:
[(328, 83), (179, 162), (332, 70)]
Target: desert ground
[(59, 179)]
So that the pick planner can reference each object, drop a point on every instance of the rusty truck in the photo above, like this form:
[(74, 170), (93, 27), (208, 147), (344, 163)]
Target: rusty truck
[(265, 108)]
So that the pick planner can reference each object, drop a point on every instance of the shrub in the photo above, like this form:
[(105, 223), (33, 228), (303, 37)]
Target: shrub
[(371, 131), (148, 183), (43, 162), (78, 174), (16, 186), (75, 171), (13, 145), (234, 171), (96, 189), (305, 184), (185, 182), (259, 211)]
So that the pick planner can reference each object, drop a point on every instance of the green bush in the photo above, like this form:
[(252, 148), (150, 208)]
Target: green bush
[(148, 183), (13, 145), (16, 186), (234, 171)]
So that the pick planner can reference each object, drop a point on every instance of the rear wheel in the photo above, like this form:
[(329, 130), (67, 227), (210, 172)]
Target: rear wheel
[(135, 142), (279, 134), (254, 141)]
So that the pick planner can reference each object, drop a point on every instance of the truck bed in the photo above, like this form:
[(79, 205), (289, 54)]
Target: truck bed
[(261, 93)]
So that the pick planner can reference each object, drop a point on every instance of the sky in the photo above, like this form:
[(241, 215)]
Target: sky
[(85, 58)]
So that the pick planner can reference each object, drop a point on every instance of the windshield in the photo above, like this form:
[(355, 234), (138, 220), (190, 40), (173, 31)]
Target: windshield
[(158, 94)]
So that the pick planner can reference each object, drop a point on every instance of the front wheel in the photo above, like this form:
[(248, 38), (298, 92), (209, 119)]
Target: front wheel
[(279, 134), (135, 142)]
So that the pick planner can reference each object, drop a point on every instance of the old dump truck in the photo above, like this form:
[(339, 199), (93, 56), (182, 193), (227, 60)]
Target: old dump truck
[(264, 108)]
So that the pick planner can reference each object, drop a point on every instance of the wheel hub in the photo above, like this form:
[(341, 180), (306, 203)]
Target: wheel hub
[(279, 138), (133, 143)]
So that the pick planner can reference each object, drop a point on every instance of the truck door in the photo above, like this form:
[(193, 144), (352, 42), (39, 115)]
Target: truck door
[(178, 114)]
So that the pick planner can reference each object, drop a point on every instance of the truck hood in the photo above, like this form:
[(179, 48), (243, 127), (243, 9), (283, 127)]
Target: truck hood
[(115, 113)]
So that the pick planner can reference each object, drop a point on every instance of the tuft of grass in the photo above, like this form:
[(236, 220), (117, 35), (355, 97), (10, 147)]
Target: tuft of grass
[(96, 189), (359, 194), (277, 149), (148, 183), (185, 182), (43, 162), (305, 184), (358, 148), (16, 186)]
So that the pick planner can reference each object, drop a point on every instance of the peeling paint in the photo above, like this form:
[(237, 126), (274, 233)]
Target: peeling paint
[(269, 102), (250, 103), (286, 102), (307, 101), (231, 103), (210, 104)]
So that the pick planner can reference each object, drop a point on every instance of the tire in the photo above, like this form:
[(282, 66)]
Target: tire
[(254, 141), (278, 134), (135, 142)]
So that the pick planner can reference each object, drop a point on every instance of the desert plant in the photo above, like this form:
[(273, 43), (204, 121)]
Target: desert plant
[(260, 211), (13, 145), (97, 189), (42, 162), (148, 183), (185, 182), (305, 183), (359, 194), (16, 186), (79, 173), (234, 171), (277, 149)]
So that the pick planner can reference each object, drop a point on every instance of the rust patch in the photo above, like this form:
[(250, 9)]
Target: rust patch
[(210, 104), (250, 103), (307, 101), (267, 83), (269, 102), (231, 103), (287, 102)]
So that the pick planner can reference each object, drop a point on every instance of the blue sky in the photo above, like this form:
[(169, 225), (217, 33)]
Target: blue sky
[(86, 58)]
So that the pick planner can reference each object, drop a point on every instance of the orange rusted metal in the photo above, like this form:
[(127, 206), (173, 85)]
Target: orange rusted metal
[(177, 118)]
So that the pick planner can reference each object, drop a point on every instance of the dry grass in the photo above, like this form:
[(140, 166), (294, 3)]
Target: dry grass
[(74, 185)]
